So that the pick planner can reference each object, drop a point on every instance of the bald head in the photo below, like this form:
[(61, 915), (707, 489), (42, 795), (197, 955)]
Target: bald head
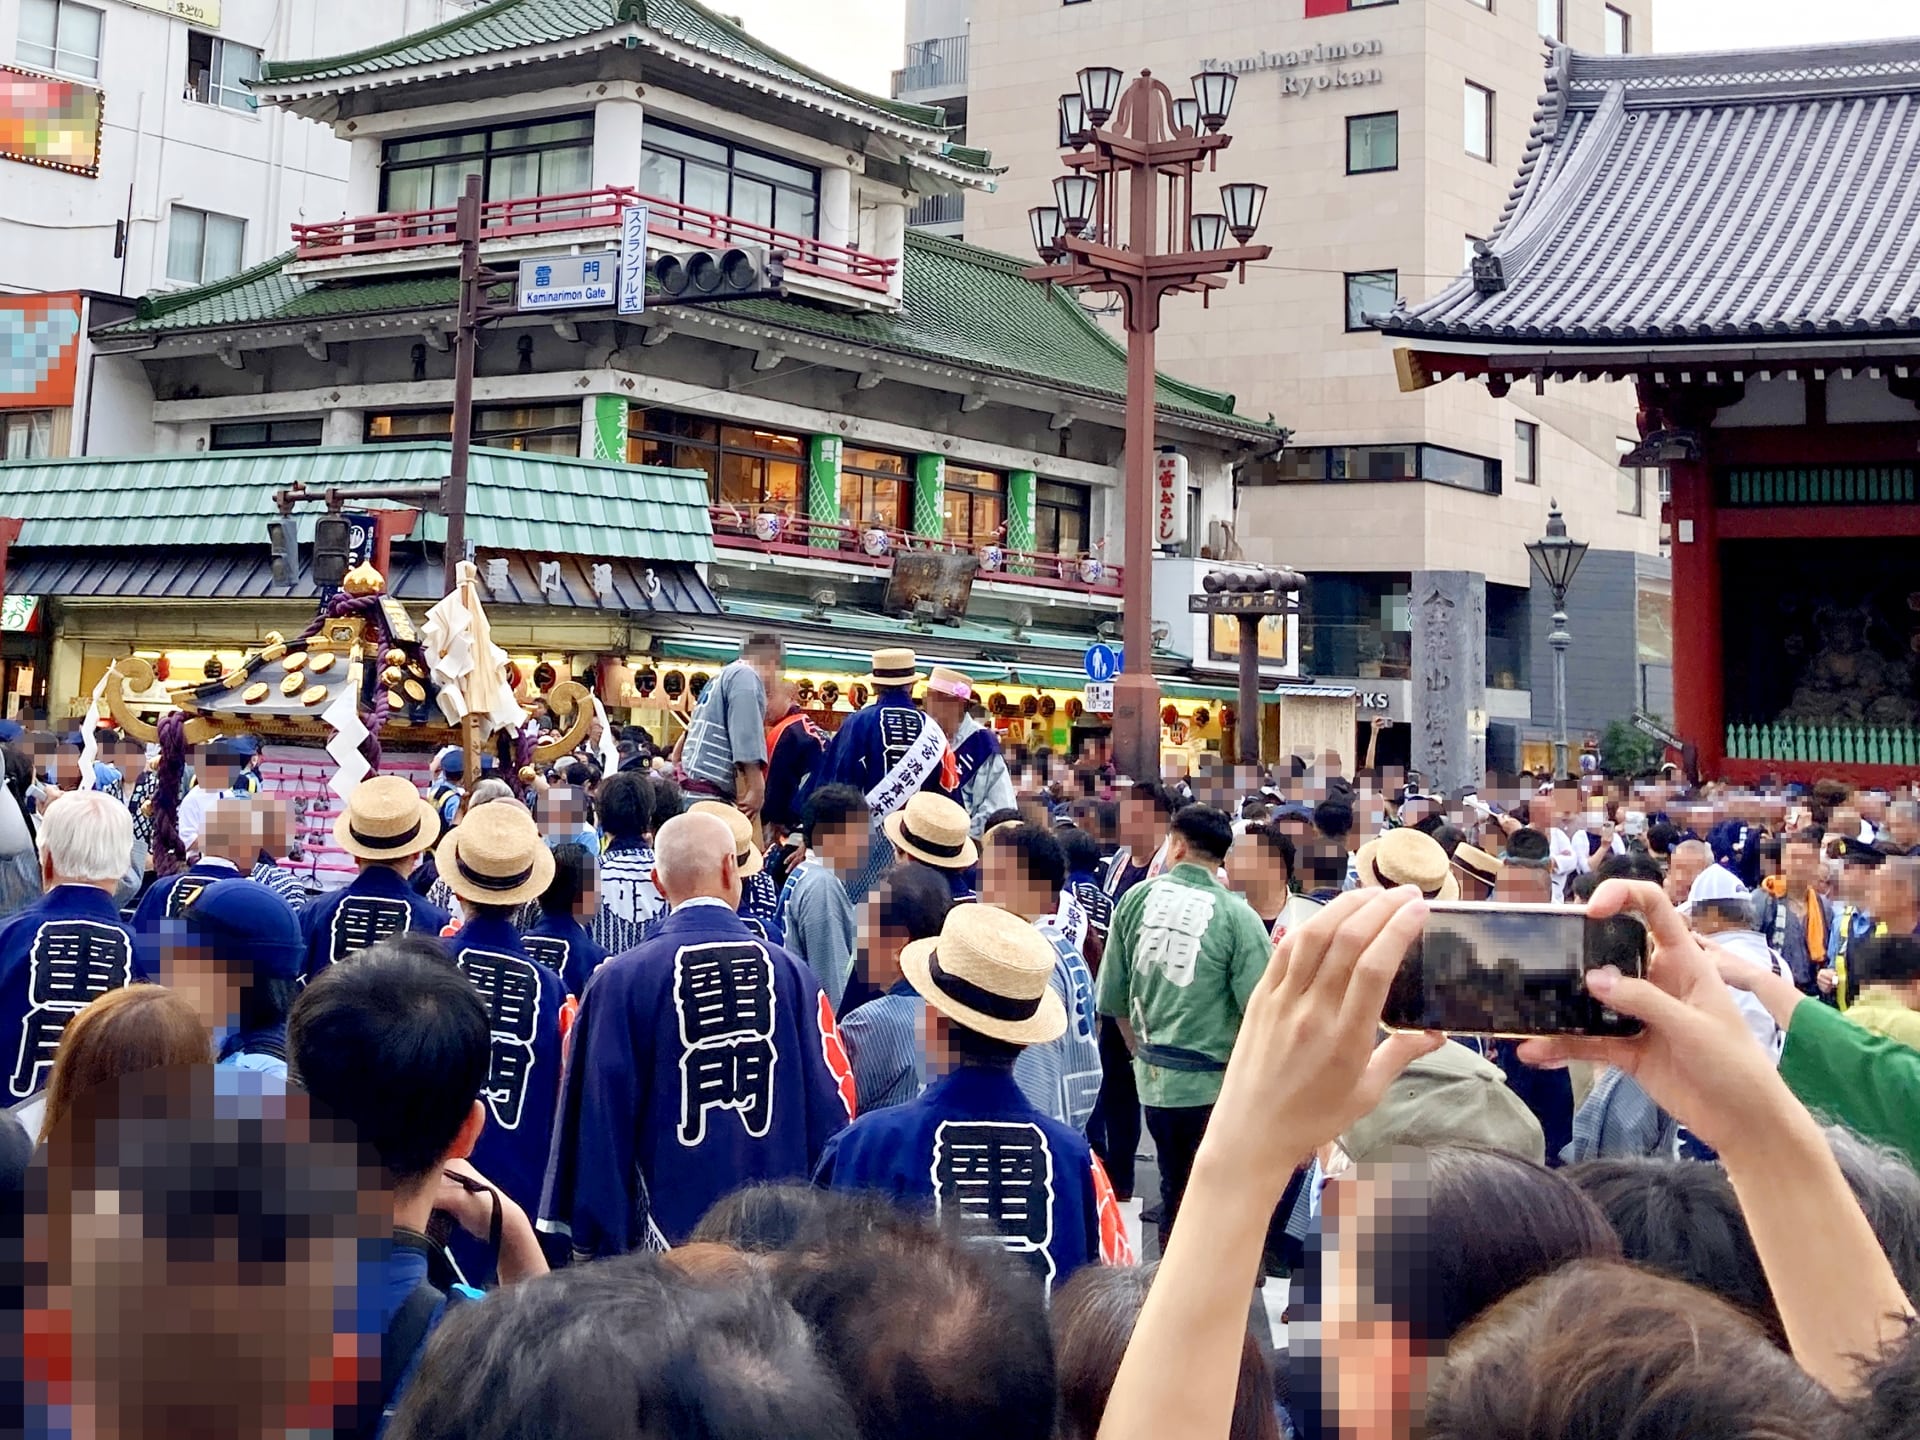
[(693, 857), (1684, 865)]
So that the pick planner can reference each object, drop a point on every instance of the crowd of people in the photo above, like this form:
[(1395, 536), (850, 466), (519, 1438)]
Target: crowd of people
[(791, 1083)]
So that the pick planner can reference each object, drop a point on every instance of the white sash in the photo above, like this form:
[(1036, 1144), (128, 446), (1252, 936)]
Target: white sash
[(906, 778)]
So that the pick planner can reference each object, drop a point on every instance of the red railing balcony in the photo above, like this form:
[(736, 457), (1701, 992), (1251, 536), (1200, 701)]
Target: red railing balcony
[(539, 215), (873, 547)]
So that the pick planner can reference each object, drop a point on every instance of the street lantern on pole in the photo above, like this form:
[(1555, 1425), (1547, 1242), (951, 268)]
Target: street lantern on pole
[(1556, 555), (1249, 597), (1134, 137)]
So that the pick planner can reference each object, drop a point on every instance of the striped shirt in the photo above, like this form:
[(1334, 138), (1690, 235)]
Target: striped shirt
[(883, 1044), (282, 882), (629, 905)]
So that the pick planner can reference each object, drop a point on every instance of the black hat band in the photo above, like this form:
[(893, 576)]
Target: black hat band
[(384, 842), (895, 677), (932, 847), (974, 997), (490, 882)]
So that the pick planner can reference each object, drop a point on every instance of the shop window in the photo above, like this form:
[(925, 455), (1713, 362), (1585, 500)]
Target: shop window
[(218, 71), (534, 429), (1062, 518), (1478, 117), (26, 434), (1619, 32), (549, 157), (876, 488), (1357, 625), (746, 468), (1526, 452), (715, 175), (1373, 143), (264, 435), (1370, 292), (1368, 464), (203, 247), (1553, 19), (61, 36), (975, 504)]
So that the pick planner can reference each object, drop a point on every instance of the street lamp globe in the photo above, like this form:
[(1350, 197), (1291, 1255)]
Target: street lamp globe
[(1243, 203), (1073, 121), (1207, 232), (1100, 90), (1556, 555), (1213, 90), (1186, 116), (1076, 194), (1044, 223)]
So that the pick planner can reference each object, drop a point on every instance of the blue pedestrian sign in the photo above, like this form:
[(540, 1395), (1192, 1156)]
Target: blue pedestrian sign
[(1103, 663)]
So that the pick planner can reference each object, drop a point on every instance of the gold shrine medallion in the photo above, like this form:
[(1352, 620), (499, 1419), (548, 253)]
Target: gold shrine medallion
[(320, 664), (255, 693), (416, 691), (393, 675), (295, 662), (395, 700), (314, 695), (291, 685)]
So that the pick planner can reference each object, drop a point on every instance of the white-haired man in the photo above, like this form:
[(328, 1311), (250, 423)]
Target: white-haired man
[(703, 1060), (69, 947)]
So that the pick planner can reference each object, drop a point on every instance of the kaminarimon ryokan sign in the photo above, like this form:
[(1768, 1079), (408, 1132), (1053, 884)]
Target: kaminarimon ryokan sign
[(1333, 57)]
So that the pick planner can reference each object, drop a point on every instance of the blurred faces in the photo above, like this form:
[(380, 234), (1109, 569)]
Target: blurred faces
[(1690, 858), (233, 831), (1799, 866), (1004, 882)]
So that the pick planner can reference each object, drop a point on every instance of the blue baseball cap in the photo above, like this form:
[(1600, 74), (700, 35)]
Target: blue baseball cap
[(454, 766), (10, 731), (246, 927)]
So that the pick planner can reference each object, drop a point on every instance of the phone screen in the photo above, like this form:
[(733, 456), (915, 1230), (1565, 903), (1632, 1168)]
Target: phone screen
[(1513, 970)]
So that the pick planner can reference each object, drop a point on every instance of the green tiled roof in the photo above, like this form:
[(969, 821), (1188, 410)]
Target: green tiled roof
[(511, 25), (962, 306), (514, 501)]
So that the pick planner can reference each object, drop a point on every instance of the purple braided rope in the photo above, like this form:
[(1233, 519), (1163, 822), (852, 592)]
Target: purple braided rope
[(525, 739), (169, 852), (375, 720)]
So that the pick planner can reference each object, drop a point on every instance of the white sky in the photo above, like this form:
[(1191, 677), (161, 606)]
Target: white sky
[(860, 41)]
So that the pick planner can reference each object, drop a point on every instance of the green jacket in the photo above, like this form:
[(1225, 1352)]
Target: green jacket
[(1183, 955), (1867, 1082)]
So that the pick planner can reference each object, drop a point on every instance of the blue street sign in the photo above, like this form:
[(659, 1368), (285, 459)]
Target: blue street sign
[(1103, 663)]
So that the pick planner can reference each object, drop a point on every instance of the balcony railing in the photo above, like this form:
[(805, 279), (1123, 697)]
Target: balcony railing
[(938, 210), (539, 215), (1787, 741), (933, 65), (873, 547)]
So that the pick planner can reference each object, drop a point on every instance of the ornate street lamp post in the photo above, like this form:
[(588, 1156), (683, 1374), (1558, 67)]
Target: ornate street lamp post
[(1142, 135), (1556, 556)]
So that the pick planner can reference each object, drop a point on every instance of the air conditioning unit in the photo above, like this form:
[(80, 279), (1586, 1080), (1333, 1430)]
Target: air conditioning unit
[(1222, 542)]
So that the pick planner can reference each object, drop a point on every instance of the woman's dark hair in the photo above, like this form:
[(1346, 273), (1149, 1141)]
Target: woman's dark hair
[(1889, 1194), (626, 806), (395, 1042), (762, 1219), (1599, 1349), (1682, 1219), (573, 872), (914, 901), (1207, 831), (1890, 1407), (1041, 858), (1092, 1319), (628, 1348), (1080, 848)]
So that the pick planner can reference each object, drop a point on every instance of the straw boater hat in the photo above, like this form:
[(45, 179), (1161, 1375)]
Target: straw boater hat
[(1474, 861), (496, 856), (386, 819), (1407, 857), (944, 680), (932, 829), (989, 970), (894, 668), (746, 855)]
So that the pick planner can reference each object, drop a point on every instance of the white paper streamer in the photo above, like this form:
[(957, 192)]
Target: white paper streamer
[(609, 750), (89, 744), (349, 730)]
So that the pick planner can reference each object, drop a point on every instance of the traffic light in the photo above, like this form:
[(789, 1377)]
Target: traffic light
[(738, 272), (282, 548), (332, 549)]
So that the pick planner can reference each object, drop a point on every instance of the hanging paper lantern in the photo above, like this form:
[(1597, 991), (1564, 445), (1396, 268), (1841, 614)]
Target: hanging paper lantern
[(674, 682), (1075, 709), (804, 692), (515, 676), (1228, 717), (545, 677), (213, 669), (699, 682), (1029, 705), (647, 682), (1047, 706), (857, 696), (1169, 715), (997, 704), (163, 668), (830, 693), (1201, 716)]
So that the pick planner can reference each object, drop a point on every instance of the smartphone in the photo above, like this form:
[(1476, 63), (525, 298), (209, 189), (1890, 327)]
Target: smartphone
[(1513, 971)]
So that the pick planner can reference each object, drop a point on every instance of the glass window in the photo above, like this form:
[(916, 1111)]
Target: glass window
[(745, 468), (1632, 494), (708, 174), (975, 505), (203, 247), (1553, 19), (218, 71), (1062, 518), (1373, 143), (264, 434), (1619, 32), (1479, 121), (26, 434), (876, 488), (517, 162), (1370, 292), (1526, 452), (534, 429), (1363, 464), (1483, 4), (60, 35)]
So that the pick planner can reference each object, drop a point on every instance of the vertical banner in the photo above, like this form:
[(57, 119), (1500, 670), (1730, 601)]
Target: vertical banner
[(823, 487), (607, 419), (929, 494), (1169, 498), (633, 260)]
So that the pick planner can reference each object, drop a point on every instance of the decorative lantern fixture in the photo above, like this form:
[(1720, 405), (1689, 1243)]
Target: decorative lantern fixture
[(1044, 223), (1077, 195), (1186, 115), (1213, 96), (1073, 121), (1243, 202), (1100, 91), (1207, 232)]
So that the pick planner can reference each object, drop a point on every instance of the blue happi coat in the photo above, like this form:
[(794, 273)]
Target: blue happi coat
[(702, 1061), (378, 904), (760, 907), (971, 1145), (59, 954), (523, 999), (166, 899), (563, 944)]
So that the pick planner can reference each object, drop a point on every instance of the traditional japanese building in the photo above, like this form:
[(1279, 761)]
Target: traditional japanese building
[(1737, 234)]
